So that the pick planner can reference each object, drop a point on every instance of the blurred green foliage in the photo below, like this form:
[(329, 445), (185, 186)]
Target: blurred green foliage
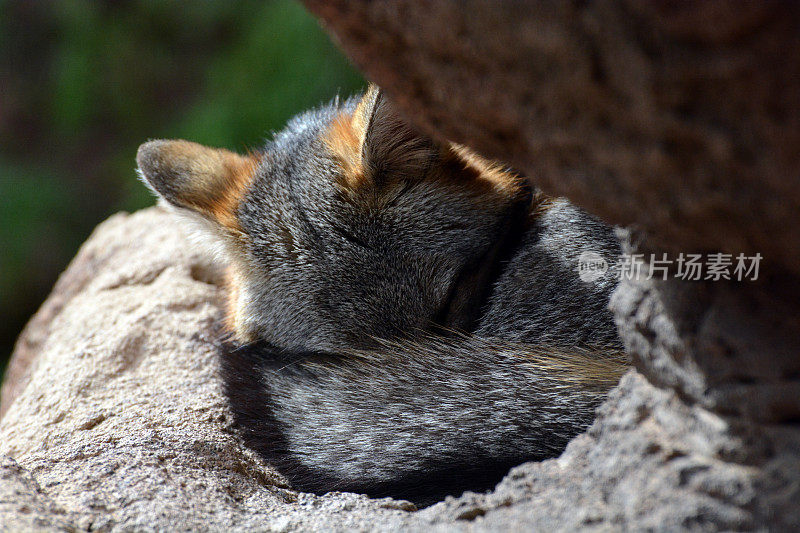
[(82, 84)]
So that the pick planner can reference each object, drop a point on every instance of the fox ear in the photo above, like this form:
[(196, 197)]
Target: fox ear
[(209, 181), (391, 149), (376, 146)]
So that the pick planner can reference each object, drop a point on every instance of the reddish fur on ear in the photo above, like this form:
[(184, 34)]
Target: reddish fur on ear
[(223, 206), (374, 146), (346, 137), (209, 181), (345, 143)]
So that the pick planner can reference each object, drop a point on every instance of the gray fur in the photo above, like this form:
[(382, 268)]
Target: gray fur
[(337, 270), (411, 334), (413, 419), (539, 298)]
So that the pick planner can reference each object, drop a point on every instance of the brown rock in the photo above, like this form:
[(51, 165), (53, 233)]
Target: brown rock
[(682, 118)]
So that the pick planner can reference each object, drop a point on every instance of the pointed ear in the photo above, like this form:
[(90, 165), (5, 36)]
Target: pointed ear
[(376, 146), (206, 180), (392, 149)]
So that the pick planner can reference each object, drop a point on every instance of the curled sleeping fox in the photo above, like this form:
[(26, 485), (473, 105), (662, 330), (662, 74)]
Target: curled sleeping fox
[(404, 317)]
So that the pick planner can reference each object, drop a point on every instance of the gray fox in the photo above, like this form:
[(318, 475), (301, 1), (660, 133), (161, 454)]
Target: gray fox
[(403, 317)]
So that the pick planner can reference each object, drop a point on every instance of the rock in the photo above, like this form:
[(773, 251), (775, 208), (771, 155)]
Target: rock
[(23, 505), (682, 118), (123, 425)]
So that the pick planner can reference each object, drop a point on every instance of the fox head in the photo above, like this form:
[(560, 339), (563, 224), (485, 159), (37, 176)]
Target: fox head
[(346, 227)]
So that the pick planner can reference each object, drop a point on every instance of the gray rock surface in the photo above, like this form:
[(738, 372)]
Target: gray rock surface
[(123, 422), (23, 505), (122, 426)]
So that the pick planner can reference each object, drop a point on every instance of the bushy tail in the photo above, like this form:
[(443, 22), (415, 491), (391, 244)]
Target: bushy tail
[(417, 418)]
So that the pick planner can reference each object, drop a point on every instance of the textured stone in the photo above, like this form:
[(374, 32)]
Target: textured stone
[(122, 425), (123, 422), (680, 117), (23, 505)]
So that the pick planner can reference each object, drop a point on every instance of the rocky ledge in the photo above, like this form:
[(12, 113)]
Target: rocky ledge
[(115, 420)]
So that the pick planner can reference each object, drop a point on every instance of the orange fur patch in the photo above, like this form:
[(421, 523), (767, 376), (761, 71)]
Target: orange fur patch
[(580, 365), (487, 171), (214, 180), (239, 174), (345, 143), (230, 288), (463, 172), (540, 203), (234, 319), (345, 139)]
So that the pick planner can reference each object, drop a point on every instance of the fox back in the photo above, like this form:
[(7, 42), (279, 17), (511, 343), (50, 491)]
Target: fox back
[(404, 317)]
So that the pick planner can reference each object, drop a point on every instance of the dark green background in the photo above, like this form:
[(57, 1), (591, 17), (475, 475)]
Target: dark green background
[(83, 83)]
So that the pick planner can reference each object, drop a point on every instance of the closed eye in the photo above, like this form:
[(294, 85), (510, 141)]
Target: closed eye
[(349, 236)]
